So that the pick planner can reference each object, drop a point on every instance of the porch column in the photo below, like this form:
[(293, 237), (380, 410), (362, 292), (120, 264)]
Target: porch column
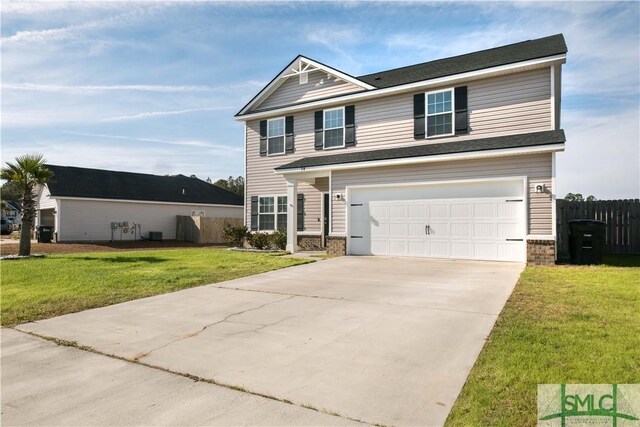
[(292, 215)]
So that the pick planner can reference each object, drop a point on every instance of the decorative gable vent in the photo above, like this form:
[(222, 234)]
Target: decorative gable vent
[(304, 78)]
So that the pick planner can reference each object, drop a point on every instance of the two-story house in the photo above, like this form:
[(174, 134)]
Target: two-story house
[(453, 158)]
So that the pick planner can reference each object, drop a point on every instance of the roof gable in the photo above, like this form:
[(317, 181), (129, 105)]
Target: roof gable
[(68, 181), (302, 65)]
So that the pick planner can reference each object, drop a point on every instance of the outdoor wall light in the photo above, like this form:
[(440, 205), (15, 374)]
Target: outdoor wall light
[(540, 188)]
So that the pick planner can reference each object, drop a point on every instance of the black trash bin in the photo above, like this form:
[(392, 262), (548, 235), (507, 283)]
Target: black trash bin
[(586, 241), (45, 234)]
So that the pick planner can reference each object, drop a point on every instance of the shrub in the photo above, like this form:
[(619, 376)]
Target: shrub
[(235, 235), (279, 239), (260, 240)]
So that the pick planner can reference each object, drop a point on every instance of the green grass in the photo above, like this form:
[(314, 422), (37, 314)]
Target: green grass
[(40, 288), (564, 324)]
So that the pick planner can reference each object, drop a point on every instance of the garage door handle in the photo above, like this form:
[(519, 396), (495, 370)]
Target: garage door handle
[(427, 229), (514, 240)]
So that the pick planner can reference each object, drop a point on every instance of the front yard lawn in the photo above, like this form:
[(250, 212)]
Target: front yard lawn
[(564, 324), (40, 288)]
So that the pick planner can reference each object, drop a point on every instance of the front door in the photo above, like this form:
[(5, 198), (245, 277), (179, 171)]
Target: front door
[(325, 219)]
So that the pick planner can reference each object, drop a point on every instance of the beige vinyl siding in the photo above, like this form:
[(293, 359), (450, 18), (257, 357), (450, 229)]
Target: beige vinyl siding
[(320, 85), (90, 220), (536, 167), (506, 105)]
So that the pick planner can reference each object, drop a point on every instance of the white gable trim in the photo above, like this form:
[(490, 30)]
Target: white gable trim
[(310, 65)]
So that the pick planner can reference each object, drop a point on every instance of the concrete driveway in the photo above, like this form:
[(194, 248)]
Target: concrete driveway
[(379, 340)]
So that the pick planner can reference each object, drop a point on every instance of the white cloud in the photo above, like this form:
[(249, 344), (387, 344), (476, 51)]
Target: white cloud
[(188, 143), (151, 114), (36, 87)]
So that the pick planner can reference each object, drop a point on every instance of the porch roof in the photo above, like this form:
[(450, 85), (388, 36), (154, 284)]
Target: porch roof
[(535, 139)]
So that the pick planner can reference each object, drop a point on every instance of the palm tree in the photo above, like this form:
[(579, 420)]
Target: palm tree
[(27, 172)]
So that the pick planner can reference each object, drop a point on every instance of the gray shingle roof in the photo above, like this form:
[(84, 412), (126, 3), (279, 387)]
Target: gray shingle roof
[(495, 143), (68, 181), (509, 54)]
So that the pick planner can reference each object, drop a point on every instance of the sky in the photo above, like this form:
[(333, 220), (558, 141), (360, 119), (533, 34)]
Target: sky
[(153, 86)]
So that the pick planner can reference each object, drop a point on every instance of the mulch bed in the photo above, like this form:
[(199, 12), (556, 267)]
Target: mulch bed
[(68, 248)]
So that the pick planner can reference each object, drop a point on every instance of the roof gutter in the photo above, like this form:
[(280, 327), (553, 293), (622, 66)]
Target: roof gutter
[(549, 148), (409, 87)]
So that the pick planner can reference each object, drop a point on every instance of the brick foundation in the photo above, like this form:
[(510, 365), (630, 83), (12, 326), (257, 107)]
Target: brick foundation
[(541, 252), (310, 243), (336, 245)]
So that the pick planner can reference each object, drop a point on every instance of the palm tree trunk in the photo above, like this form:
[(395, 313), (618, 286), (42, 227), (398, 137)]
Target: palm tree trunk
[(25, 238)]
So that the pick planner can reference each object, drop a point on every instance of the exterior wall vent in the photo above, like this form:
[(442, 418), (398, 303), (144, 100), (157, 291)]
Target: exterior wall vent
[(304, 78)]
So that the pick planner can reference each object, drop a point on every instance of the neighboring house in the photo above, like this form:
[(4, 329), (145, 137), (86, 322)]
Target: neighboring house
[(12, 212), (453, 158), (100, 205)]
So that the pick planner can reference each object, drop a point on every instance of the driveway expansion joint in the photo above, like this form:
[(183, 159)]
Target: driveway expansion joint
[(195, 378)]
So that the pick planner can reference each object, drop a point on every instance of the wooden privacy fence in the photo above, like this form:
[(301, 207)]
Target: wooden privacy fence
[(622, 218), (203, 229)]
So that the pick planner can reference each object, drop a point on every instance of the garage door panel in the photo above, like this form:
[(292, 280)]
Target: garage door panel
[(417, 248), (439, 211), (473, 228), (416, 211), (438, 228), (508, 230), (460, 210), (439, 248), (508, 209), (398, 247), (484, 210), (484, 230), (485, 250), (398, 229), (510, 251), (461, 229), (461, 249)]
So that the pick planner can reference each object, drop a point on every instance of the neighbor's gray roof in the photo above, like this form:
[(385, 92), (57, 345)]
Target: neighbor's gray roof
[(69, 181), (495, 143), (509, 54)]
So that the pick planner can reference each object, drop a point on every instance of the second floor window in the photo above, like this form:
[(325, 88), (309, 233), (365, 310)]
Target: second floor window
[(334, 128), (440, 113), (275, 136)]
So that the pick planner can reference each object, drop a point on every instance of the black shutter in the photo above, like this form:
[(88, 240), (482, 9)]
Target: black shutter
[(462, 115), (418, 116), (300, 212), (288, 133), (254, 213), (319, 119), (349, 125), (263, 137)]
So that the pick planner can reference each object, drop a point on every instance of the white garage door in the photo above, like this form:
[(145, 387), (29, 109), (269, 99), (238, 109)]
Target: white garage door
[(400, 222)]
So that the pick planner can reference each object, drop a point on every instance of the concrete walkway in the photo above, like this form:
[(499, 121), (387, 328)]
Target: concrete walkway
[(382, 340)]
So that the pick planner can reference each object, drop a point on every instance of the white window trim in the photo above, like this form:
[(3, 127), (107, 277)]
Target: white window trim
[(275, 211), (324, 128), (284, 136), (426, 113)]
